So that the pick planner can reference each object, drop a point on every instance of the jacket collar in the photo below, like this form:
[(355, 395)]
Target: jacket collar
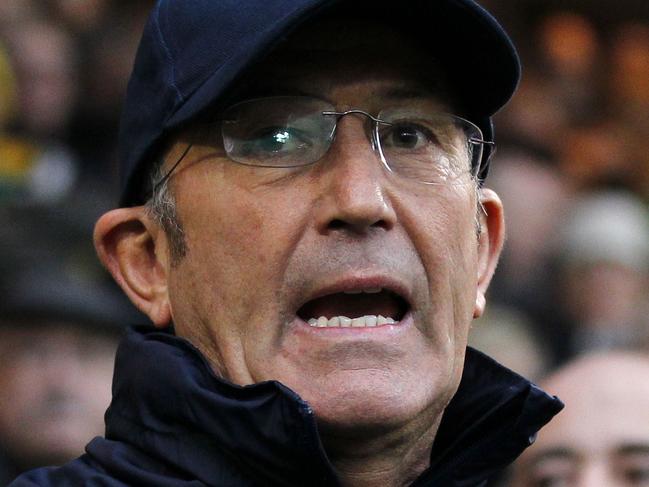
[(167, 401)]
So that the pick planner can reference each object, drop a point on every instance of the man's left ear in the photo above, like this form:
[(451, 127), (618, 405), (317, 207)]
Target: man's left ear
[(490, 243)]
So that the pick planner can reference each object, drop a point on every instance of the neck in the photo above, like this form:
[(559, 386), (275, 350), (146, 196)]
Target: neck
[(389, 458)]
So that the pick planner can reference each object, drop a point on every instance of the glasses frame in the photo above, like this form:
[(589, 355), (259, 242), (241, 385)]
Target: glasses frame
[(374, 140)]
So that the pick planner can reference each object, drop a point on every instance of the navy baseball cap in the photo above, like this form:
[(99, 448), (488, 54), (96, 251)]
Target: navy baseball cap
[(193, 51)]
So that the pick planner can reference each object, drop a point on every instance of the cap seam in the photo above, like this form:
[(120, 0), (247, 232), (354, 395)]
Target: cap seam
[(167, 52)]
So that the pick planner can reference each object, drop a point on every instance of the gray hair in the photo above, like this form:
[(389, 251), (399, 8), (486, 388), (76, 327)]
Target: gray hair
[(161, 208)]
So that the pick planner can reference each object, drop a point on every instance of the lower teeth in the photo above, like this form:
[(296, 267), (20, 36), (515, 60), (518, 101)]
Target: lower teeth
[(366, 321)]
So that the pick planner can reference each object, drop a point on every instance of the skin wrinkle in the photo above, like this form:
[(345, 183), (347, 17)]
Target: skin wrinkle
[(415, 454)]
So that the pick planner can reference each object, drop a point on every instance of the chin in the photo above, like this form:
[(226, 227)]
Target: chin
[(370, 400)]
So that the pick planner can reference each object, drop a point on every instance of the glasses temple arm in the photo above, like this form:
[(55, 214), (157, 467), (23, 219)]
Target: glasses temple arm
[(173, 168)]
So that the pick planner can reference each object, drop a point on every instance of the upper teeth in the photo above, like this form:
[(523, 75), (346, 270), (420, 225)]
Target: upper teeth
[(369, 290), (345, 322)]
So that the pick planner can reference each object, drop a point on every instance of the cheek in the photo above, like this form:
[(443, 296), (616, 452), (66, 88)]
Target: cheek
[(237, 220), (445, 236), (238, 240), (239, 237), (22, 391), (226, 253)]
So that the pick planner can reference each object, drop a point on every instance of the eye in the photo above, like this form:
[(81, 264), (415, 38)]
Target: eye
[(271, 145), (553, 473), (271, 141), (406, 135), (637, 477), (636, 474), (551, 481)]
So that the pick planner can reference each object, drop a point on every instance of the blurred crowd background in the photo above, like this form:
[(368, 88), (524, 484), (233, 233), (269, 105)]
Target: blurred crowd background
[(572, 168)]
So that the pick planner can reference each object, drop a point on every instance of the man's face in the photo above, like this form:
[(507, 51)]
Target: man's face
[(269, 248), (601, 439)]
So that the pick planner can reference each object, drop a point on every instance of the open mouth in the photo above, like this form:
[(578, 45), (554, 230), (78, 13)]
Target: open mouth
[(361, 308)]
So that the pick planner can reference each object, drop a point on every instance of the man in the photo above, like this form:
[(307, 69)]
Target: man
[(602, 439), (316, 235), (603, 272)]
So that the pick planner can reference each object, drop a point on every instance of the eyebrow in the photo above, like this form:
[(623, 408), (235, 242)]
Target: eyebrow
[(633, 449)]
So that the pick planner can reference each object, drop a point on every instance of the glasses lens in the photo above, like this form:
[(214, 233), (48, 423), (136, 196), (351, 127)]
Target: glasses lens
[(278, 131), (429, 147)]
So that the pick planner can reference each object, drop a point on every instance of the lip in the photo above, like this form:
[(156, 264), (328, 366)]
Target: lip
[(357, 282)]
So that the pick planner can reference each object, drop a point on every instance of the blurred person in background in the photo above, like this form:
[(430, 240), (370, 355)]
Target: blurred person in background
[(629, 100), (507, 335), (595, 154), (17, 11), (10, 152), (72, 61), (55, 374), (60, 322), (601, 439), (107, 57), (603, 272), (47, 69), (569, 47), (7, 90), (44, 169), (629, 81), (561, 84), (582, 117), (537, 198), (82, 17)]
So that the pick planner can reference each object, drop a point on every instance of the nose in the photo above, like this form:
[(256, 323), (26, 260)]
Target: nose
[(354, 193)]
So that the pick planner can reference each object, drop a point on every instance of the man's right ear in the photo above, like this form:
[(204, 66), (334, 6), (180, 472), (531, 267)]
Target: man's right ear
[(134, 250)]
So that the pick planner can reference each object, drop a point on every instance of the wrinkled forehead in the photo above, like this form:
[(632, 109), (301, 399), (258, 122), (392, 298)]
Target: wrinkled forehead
[(363, 55)]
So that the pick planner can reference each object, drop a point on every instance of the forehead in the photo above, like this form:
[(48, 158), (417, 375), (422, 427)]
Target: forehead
[(364, 56), (607, 405)]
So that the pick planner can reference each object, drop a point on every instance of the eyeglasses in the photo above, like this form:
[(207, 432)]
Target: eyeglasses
[(293, 131)]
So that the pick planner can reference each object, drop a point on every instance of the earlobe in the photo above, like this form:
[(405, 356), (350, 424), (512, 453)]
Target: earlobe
[(130, 245), (490, 244)]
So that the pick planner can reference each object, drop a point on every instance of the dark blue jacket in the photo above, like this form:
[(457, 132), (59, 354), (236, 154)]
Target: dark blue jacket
[(173, 423)]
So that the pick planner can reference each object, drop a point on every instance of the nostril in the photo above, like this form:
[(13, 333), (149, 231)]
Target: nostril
[(381, 224), (336, 224)]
